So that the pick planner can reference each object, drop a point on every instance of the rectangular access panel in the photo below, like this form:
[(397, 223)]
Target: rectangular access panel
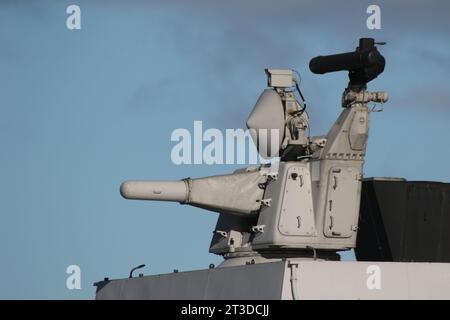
[(297, 215), (341, 209)]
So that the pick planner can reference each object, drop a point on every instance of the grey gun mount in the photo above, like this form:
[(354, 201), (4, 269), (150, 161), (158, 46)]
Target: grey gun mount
[(306, 206)]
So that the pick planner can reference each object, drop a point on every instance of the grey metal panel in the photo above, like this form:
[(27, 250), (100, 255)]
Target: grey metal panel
[(314, 280), (349, 280), (341, 209), (269, 216), (297, 216), (235, 193), (232, 225), (428, 280), (359, 130), (258, 281)]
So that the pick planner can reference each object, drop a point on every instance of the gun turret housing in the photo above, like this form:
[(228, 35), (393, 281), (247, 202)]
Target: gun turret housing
[(308, 204)]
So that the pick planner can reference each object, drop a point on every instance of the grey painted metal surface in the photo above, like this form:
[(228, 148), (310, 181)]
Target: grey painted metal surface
[(360, 280), (238, 193), (257, 281), (155, 190), (267, 115), (276, 280)]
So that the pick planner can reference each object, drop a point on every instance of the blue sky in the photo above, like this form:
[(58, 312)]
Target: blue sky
[(83, 110)]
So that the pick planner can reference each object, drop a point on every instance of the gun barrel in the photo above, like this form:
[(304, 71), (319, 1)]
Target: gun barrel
[(155, 190), (238, 193)]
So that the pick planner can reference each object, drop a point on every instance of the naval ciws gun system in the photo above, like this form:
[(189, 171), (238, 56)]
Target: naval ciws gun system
[(281, 225), (309, 205)]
